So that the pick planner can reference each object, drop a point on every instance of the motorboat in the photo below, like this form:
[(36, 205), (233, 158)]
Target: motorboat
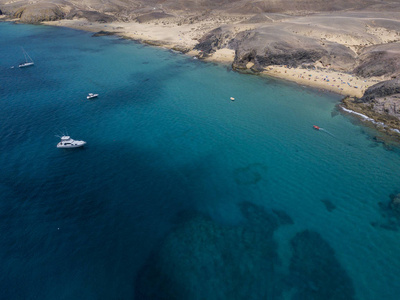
[(67, 142), (92, 95), (316, 127)]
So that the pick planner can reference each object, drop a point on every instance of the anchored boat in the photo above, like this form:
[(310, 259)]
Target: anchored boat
[(28, 60), (92, 95), (67, 142)]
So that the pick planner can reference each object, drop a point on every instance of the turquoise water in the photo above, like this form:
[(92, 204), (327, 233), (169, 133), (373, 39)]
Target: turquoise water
[(181, 193)]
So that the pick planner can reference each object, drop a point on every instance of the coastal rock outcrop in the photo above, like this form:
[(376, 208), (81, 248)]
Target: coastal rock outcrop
[(270, 46), (384, 98), (213, 40), (382, 89), (381, 102), (39, 12)]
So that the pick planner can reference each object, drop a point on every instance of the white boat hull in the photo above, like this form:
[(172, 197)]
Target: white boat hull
[(92, 96), (75, 144), (26, 64)]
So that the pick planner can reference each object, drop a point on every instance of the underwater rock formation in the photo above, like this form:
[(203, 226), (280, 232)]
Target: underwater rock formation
[(390, 212), (251, 174), (395, 204), (315, 271), (202, 259), (328, 204)]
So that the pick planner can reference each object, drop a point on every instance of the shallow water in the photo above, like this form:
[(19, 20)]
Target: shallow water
[(180, 192)]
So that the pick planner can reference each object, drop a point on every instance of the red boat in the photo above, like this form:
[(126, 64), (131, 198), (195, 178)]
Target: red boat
[(316, 127)]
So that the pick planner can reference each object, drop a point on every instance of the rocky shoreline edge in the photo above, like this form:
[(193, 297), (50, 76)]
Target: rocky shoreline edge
[(378, 106)]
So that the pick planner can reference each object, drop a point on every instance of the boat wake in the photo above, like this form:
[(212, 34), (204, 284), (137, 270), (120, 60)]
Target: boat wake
[(322, 129), (326, 131)]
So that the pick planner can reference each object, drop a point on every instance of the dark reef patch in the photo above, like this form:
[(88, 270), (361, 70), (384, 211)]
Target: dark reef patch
[(251, 174), (328, 204), (390, 212), (202, 259), (315, 270)]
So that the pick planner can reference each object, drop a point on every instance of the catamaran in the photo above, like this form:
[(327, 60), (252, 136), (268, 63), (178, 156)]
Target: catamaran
[(28, 60)]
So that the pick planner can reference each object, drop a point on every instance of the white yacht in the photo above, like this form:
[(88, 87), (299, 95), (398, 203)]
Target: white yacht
[(28, 60), (67, 142), (91, 96)]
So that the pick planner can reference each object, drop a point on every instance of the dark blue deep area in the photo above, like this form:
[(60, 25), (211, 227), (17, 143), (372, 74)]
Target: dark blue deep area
[(181, 193)]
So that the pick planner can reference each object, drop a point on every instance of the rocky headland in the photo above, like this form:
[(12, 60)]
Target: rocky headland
[(350, 47)]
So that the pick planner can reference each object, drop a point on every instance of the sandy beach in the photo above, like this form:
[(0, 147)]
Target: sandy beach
[(337, 82), (184, 37), (165, 33)]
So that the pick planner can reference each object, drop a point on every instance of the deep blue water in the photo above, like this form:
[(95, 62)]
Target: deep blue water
[(181, 193)]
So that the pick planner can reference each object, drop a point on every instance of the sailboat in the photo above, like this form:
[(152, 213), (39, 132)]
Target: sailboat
[(28, 60)]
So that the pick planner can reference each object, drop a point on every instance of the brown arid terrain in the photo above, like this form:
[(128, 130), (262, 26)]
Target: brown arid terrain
[(350, 47)]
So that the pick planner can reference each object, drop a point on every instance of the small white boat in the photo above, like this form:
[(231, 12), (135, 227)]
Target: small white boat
[(28, 62), (91, 96), (67, 142)]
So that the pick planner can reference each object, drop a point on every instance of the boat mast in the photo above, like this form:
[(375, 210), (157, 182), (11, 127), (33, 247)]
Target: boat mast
[(26, 55)]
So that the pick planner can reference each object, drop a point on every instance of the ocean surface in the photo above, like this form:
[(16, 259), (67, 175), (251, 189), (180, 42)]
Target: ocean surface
[(181, 193)]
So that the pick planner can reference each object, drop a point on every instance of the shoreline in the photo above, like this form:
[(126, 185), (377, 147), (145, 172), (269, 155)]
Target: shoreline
[(364, 117), (183, 38), (340, 83)]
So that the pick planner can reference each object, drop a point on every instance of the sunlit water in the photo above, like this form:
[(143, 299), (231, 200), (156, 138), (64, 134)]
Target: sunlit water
[(181, 193)]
